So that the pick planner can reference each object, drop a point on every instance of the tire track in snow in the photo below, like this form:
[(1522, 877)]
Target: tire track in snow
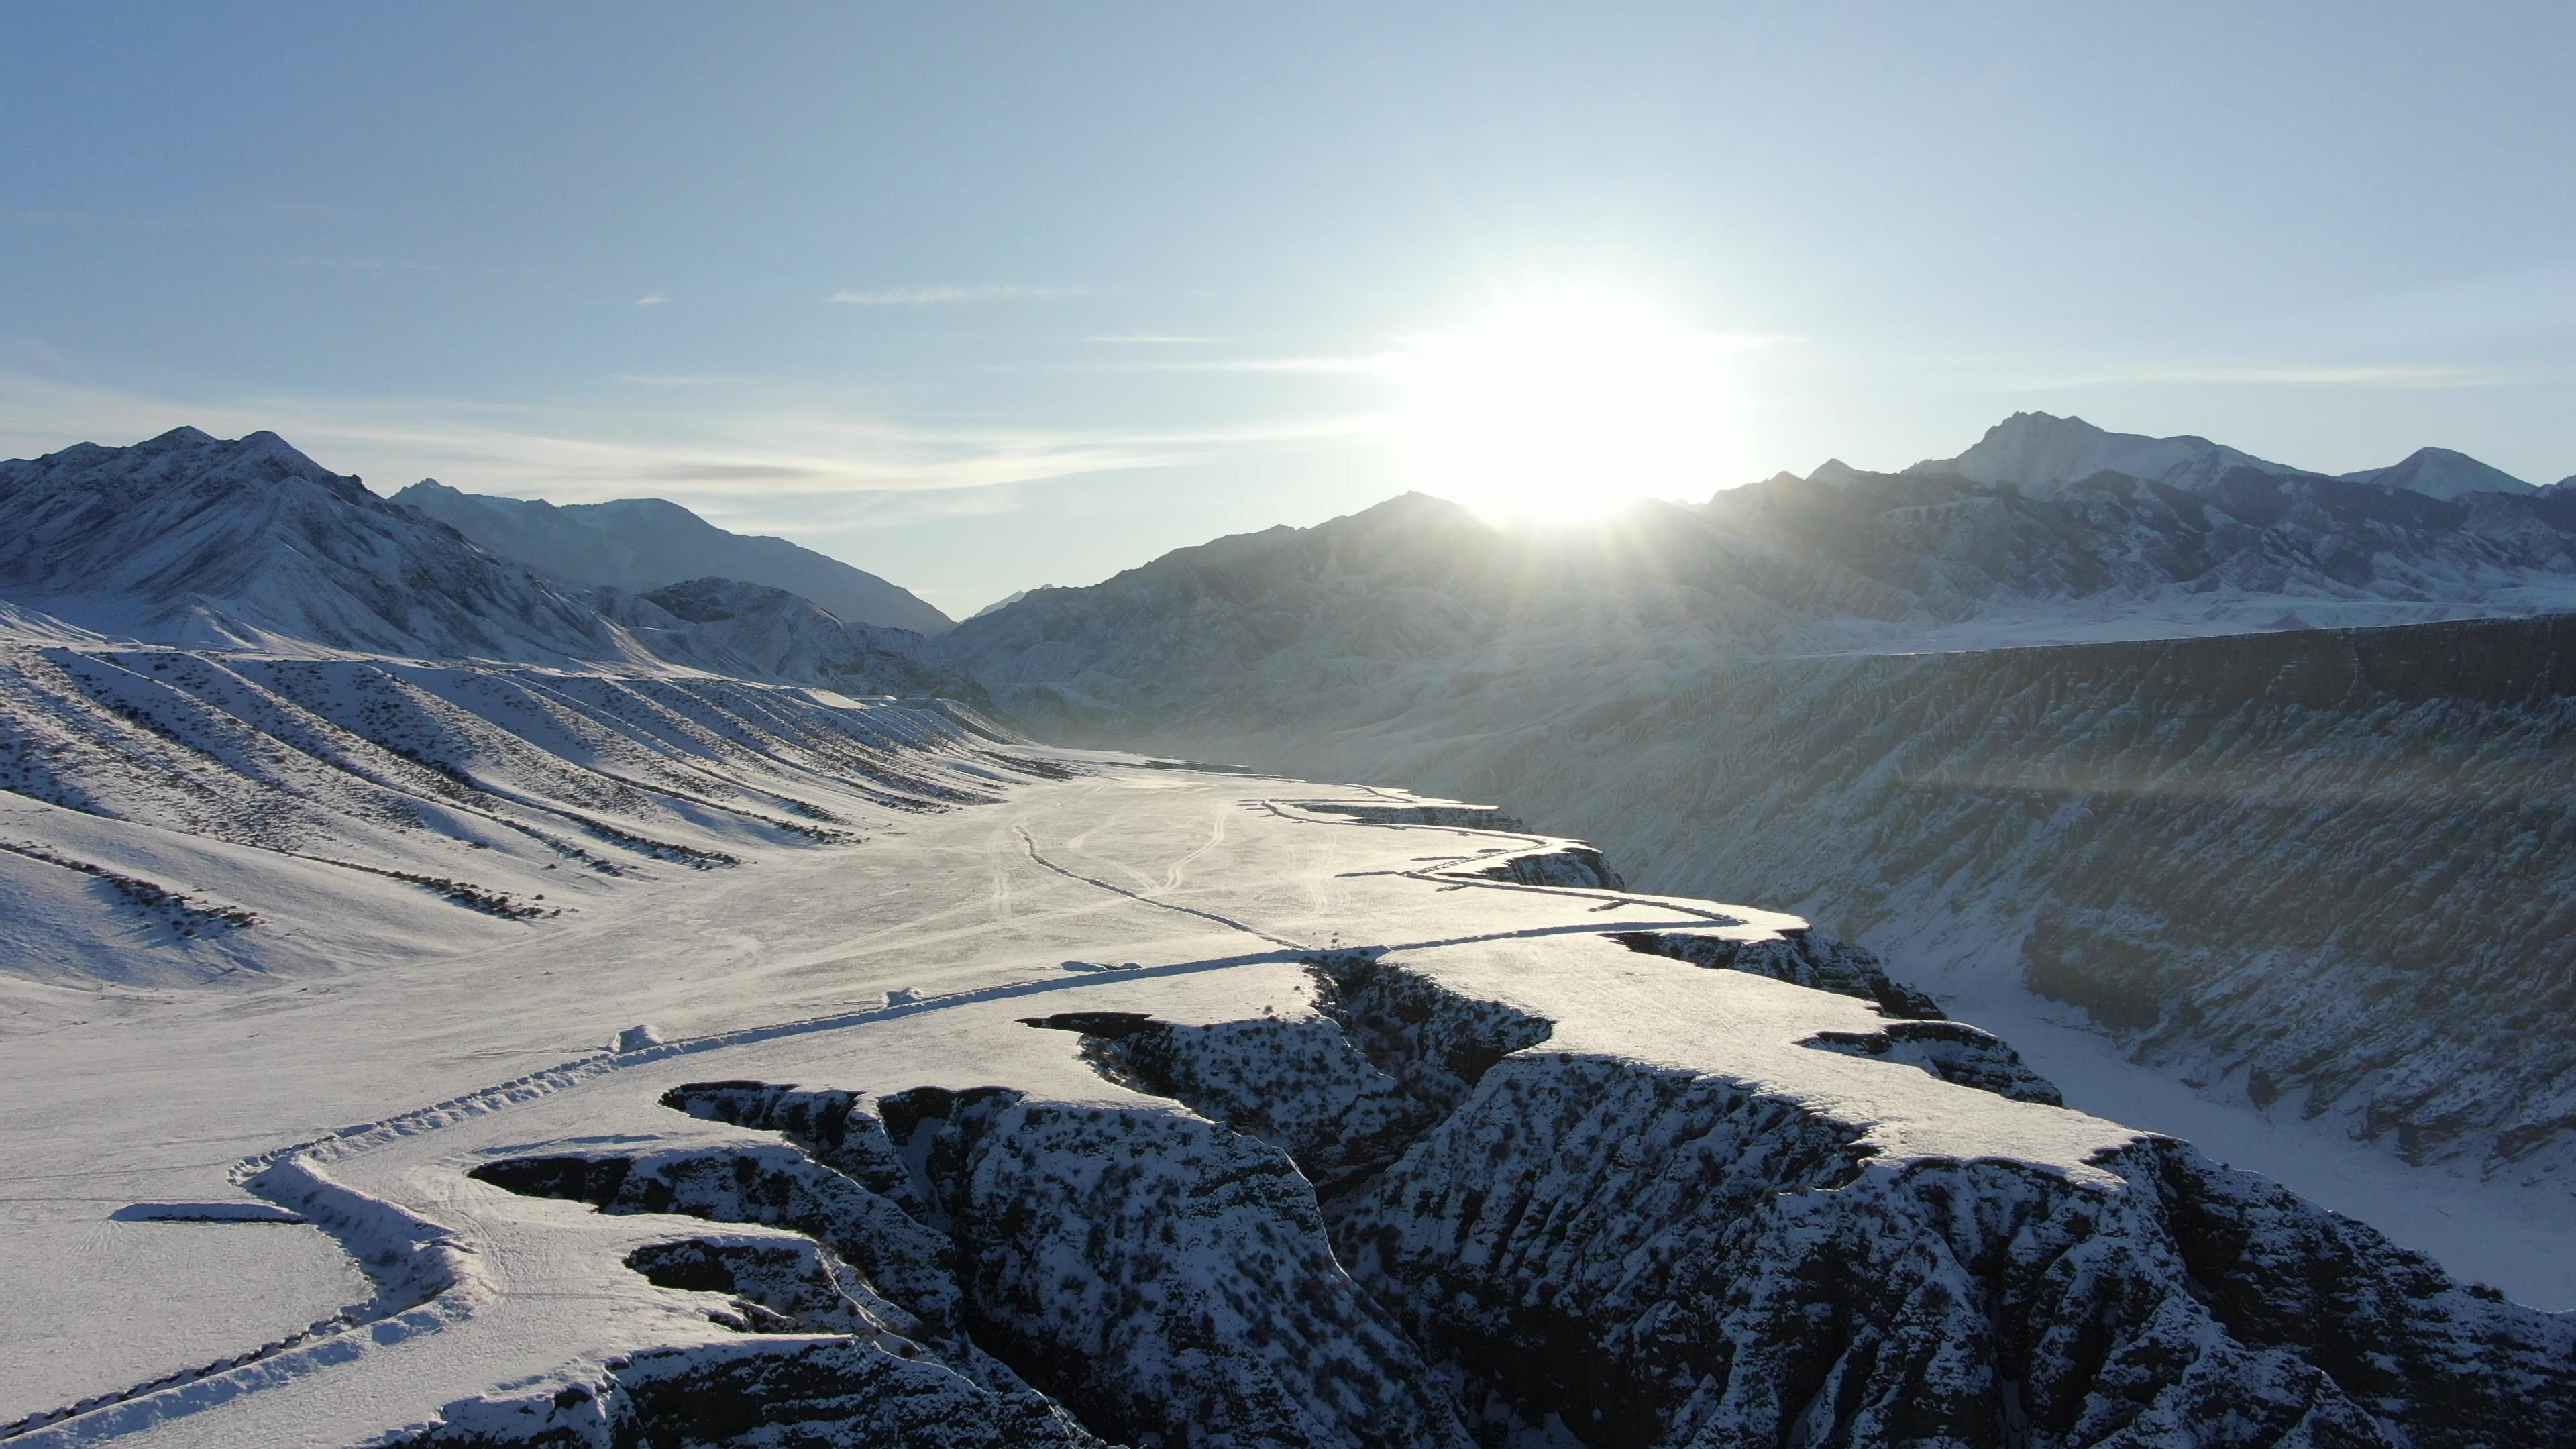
[(1231, 924)]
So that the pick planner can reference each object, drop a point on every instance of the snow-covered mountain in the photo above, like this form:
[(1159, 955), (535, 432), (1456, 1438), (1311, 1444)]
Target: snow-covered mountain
[(641, 544), (2037, 449), (2041, 450), (1361, 618), (192, 539), (1007, 600), (752, 631), (2441, 473)]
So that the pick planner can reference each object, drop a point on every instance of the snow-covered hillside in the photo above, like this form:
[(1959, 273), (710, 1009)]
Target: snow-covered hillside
[(642, 544), (2441, 473), (1364, 617), (493, 796), (195, 541), (756, 632)]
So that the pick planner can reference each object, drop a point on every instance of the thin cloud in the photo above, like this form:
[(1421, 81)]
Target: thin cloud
[(791, 459), (1153, 339), (1369, 363), (651, 299), (941, 296), (2293, 376)]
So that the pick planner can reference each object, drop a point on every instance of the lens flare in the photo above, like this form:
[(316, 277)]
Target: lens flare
[(1563, 406)]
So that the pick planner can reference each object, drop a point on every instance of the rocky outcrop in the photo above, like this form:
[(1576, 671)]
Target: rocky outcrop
[(1629, 1252), (1801, 958)]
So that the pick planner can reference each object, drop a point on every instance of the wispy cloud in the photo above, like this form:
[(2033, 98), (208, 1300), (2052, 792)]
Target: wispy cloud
[(939, 296), (1153, 339), (1374, 362), (2285, 376), (651, 299), (811, 461)]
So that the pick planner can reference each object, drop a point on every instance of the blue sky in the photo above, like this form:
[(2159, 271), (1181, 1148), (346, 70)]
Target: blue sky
[(983, 297)]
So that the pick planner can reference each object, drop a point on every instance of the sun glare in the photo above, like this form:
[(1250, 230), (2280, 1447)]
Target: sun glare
[(1562, 407)]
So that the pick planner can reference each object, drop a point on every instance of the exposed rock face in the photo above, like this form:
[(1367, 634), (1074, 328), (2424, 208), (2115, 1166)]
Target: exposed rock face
[(763, 1393), (1802, 959), (1166, 1279), (1639, 1253)]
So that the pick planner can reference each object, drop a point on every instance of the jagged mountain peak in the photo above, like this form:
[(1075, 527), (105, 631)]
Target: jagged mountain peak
[(191, 539), (2037, 449), (188, 457)]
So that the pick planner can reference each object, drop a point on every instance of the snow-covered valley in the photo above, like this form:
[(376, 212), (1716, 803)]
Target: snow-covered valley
[(571, 1021), (997, 1210)]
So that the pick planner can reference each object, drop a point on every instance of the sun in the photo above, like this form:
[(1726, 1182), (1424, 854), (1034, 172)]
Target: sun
[(1562, 406)]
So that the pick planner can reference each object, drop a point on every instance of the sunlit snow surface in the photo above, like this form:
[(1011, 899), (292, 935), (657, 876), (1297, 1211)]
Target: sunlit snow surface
[(366, 1043)]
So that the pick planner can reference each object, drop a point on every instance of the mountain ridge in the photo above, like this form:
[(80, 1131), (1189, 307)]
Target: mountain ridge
[(197, 541), (640, 544), (2042, 450)]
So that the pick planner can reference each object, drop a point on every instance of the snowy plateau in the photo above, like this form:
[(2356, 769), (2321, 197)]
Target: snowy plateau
[(443, 1003)]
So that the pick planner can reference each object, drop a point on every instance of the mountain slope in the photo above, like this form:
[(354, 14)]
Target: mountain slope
[(191, 539), (2036, 449), (729, 627), (640, 544), (2326, 873), (1362, 618), (2441, 473), (2041, 450)]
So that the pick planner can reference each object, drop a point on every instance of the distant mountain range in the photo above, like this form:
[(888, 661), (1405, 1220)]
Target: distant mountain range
[(1334, 624), (639, 544), (2040, 450), (197, 541)]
